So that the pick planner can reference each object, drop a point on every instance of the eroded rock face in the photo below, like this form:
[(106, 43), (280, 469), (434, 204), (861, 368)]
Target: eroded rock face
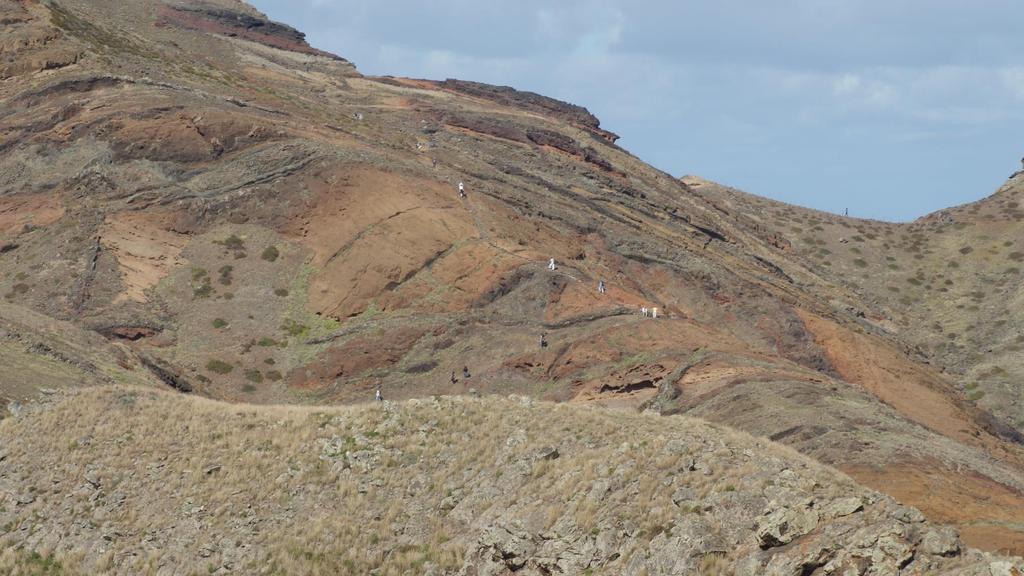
[(243, 24), (572, 113), (30, 43)]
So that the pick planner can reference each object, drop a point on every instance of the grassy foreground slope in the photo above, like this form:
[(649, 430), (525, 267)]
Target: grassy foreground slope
[(130, 480)]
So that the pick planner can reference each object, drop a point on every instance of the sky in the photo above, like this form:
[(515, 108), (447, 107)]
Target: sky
[(890, 108)]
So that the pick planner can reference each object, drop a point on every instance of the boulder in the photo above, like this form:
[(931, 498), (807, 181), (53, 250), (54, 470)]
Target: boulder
[(783, 525), (941, 542)]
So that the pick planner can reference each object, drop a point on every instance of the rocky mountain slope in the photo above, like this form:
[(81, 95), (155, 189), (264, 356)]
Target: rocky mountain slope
[(249, 219), (123, 480), (949, 284)]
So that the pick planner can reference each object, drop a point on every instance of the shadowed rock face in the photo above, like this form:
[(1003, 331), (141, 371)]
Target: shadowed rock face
[(506, 95), (236, 23), (255, 221)]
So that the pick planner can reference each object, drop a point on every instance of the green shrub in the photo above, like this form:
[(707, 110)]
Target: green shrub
[(293, 328), (233, 242), (219, 323), (966, 250), (219, 367), (203, 291), (248, 388), (273, 375), (254, 376), (270, 254), (281, 292), (18, 289), (225, 274), (266, 341), (269, 361), (860, 263)]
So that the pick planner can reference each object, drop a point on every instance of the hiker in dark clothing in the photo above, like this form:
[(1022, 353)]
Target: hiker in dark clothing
[(465, 372), (600, 287), (454, 379), (543, 341)]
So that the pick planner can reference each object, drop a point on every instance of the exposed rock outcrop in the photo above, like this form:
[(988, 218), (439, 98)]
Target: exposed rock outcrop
[(237, 23)]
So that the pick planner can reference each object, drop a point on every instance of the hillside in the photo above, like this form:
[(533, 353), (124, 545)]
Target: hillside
[(121, 480), (243, 217), (40, 355), (948, 284)]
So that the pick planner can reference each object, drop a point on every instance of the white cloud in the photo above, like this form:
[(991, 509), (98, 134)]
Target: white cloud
[(1013, 79), (846, 84)]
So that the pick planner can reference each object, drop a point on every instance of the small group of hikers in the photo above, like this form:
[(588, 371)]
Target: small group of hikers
[(465, 375), (602, 288)]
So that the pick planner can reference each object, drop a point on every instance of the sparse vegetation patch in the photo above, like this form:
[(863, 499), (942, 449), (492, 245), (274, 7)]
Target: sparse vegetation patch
[(219, 367), (270, 254)]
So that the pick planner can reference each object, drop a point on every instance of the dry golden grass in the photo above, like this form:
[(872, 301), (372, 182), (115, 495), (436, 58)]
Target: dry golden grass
[(128, 480)]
